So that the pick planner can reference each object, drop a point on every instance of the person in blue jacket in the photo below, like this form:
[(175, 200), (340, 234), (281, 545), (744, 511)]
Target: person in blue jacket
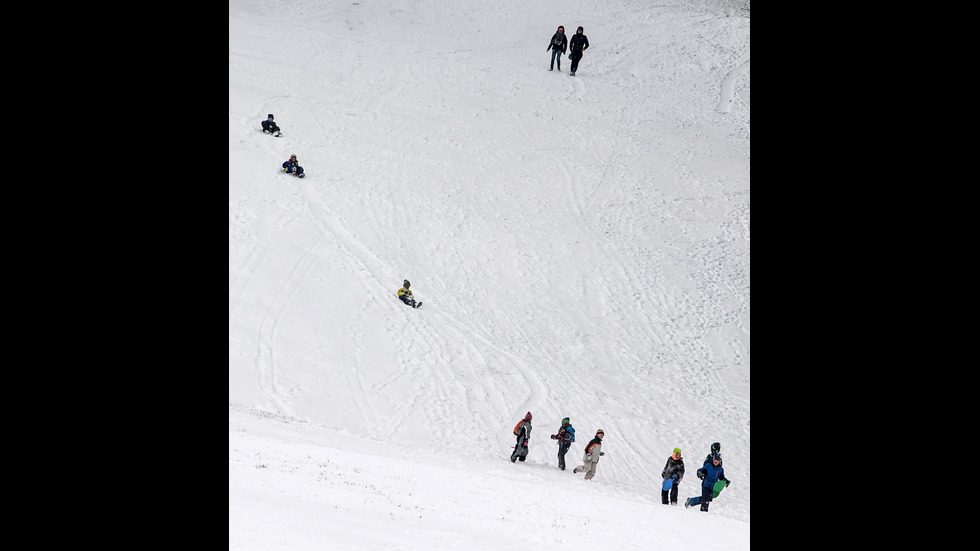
[(709, 474), (292, 166), (565, 437)]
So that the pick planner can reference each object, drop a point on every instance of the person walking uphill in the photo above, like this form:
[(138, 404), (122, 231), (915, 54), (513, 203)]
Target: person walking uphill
[(593, 450), (715, 448), (578, 44), (565, 437), (523, 433), (710, 473), (558, 41), (673, 469)]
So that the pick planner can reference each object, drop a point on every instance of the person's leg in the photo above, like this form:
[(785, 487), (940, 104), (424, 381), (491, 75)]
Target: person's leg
[(562, 450), (706, 493), (591, 471), (673, 493), (663, 496), (553, 52)]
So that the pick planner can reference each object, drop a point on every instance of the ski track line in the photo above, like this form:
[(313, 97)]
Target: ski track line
[(269, 327), (728, 87)]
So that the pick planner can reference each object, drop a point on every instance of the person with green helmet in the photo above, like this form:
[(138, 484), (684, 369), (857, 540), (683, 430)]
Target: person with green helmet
[(673, 469), (565, 437)]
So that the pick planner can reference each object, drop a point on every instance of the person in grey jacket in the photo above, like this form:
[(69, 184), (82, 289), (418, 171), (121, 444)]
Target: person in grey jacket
[(593, 450), (523, 435)]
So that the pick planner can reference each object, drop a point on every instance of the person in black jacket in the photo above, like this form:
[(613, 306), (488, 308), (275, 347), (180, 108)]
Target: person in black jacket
[(578, 44), (269, 126), (565, 437), (558, 41), (673, 469), (715, 448)]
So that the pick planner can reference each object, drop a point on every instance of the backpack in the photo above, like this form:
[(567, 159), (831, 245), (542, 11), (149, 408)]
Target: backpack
[(517, 427)]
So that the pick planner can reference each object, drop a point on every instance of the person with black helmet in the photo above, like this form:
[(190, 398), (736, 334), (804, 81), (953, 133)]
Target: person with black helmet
[(710, 473), (592, 452), (715, 448), (565, 437), (405, 295), (558, 42), (578, 44), (291, 166), (269, 126), (523, 433)]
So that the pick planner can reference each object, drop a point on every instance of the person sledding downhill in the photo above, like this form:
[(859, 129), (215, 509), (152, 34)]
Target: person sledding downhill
[(269, 126), (523, 433), (565, 437), (292, 167), (405, 295)]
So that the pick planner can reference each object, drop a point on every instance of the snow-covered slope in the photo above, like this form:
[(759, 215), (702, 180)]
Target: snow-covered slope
[(581, 245)]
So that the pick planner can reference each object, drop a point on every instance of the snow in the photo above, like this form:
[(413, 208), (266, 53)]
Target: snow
[(580, 244)]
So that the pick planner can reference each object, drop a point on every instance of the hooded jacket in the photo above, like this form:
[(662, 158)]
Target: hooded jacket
[(579, 42)]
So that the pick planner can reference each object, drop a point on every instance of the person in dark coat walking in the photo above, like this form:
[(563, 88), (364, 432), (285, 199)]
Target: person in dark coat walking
[(523, 435), (558, 42), (578, 44), (710, 473), (565, 437), (673, 469), (715, 448)]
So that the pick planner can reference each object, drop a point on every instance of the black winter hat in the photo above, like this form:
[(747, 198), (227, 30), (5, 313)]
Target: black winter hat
[(581, 29)]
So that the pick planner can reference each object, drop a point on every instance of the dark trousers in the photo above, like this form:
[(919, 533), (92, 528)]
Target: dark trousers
[(705, 499), (576, 56), (671, 493), (562, 450)]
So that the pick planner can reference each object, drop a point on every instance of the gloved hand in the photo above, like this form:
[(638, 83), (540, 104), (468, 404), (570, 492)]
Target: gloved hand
[(525, 443), (554, 437), (700, 474), (728, 483), (602, 453)]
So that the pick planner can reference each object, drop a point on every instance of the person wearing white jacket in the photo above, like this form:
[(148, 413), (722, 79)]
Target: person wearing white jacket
[(593, 450)]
